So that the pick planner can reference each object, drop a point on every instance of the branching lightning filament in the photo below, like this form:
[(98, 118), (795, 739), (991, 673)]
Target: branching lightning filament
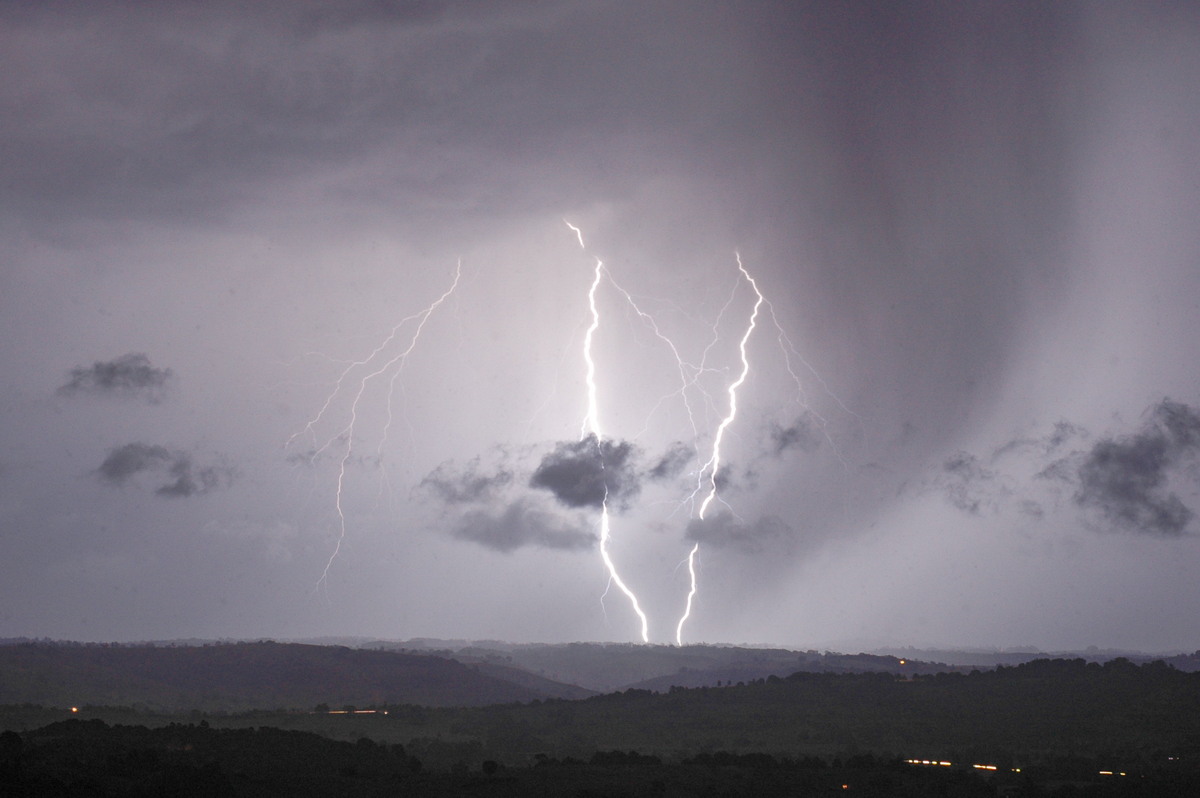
[(379, 365)]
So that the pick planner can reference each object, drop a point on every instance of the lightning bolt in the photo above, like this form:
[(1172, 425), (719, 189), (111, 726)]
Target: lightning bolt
[(687, 610), (714, 461), (394, 364), (591, 426)]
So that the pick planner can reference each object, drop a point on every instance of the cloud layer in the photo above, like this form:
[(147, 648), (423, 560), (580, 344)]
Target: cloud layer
[(174, 473), (131, 375)]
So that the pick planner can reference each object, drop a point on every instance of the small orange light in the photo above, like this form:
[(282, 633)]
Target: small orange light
[(74, 709)]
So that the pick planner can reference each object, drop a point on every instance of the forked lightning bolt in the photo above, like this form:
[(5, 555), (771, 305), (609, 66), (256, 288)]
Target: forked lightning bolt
[(711, 467), (378, 364), (714, 461), (591, 426)]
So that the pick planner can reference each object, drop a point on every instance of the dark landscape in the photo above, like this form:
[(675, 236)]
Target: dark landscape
[(259, 718)]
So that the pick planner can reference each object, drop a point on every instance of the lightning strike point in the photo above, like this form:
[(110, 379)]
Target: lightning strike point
[(687, 610)]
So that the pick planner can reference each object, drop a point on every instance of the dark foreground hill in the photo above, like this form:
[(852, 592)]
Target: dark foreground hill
[(242, 676), (1053, 728)]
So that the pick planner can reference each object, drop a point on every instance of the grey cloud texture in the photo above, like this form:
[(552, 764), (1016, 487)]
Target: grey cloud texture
[(802, 434), (130, 375), (467, 485), (672, 463), (522, 524), (1131, 482), (1128, 479), (175, 473), (969, 486), (970, 218), (588, 472)]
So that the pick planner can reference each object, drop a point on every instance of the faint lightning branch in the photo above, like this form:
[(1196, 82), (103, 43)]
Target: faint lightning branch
[(394, 364), (686, 382), (591, 426), (789, 350)]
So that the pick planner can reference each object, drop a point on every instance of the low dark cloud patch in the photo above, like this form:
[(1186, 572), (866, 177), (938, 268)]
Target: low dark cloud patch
[(1128, 479), (802, 434), (968, 485), (584, 473), (522, 524), (1044, 446), (672, 463), (175, 473), (130, 375), (767, 535), (132, 458), (467, 485)]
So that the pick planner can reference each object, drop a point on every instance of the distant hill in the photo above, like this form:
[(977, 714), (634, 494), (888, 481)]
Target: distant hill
[(606, 667), (990, 658), (261, 675)]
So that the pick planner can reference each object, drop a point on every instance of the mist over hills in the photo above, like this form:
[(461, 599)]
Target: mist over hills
[(237, 676)]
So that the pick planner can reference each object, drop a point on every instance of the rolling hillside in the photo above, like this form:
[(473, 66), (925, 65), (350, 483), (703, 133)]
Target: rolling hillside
[(240, 676)]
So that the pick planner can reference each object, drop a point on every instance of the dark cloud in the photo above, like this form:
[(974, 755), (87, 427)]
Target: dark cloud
[(176, 472), (1063, 432), (586, 472), (968, 485), (132, 374), (672, 463), (471, 484), (802, 435), (769, 534), (521, 524), (1127, 478), (132, 458)]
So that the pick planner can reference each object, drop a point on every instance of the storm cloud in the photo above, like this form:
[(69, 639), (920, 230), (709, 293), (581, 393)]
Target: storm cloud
[(467, 485), (587, 472), (522, 524), (801, 434), (131, 375), (174, 474), (967, 220), (672, 462), (1128, 479), (968, 485)]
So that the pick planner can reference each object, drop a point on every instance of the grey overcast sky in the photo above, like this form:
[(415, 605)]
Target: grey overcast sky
[(972, 410)]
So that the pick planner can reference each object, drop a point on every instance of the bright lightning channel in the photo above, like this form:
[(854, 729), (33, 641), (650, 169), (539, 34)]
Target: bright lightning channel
[(714, 461), (711, 468), (395, 364), (687, 610), (591, 426)]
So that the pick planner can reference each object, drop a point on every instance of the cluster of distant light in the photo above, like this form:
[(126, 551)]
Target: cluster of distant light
[(945, 764)]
